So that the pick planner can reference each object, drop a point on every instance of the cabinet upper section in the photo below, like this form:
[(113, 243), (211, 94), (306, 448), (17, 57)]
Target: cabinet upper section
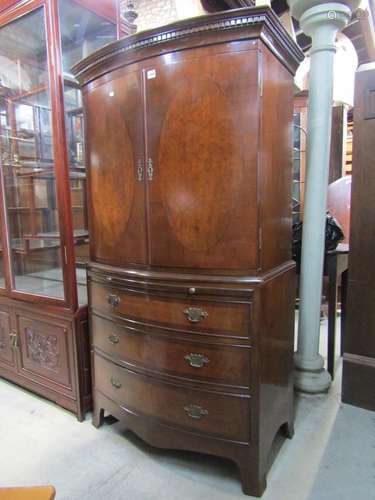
[(189, 145), (234, 25)]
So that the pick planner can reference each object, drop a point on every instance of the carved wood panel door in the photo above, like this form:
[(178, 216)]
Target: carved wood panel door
[(7, 340), (202, 142), (116, 169), (45, 351)]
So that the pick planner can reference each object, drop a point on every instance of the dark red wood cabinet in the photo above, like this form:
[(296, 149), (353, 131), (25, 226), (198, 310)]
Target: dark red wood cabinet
[(44, 340), (191, 283), (47, 353)]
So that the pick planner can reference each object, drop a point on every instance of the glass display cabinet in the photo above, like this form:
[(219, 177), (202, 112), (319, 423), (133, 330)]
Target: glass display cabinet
[(299, 154), (44, 343)]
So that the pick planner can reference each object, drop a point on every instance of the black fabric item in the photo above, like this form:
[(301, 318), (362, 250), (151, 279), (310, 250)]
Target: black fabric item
[(334, 234)]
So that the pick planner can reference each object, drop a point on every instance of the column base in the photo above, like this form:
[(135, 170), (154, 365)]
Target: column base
[(312, 381)]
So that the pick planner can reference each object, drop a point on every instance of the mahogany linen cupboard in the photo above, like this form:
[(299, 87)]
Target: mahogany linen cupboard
[(191, 283)]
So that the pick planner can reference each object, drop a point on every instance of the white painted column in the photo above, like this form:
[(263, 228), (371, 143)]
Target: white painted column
[(321, 21)]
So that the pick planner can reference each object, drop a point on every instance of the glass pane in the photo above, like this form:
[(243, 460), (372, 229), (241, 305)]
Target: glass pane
[(27, 157), (296, 191), (4, 133), (2, 278), (82, 32), (297, 167), (296, 129), (296, 194)]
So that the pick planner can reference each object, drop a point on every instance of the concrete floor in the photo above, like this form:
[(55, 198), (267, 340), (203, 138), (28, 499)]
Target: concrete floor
[(331, 457)]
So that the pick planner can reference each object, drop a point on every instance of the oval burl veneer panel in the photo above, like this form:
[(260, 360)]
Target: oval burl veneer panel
[(198, 148), (117, 217), (111, 174)]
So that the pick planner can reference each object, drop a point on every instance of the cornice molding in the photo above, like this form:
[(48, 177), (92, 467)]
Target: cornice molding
[(254, 22)]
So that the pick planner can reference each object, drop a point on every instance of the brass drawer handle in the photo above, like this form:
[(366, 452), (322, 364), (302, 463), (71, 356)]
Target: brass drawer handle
[(13, 340), (196, 360), (195, 411), (150, 169), (113, 300), (113, 339), (140, 170), (116, 383), (195, 314)]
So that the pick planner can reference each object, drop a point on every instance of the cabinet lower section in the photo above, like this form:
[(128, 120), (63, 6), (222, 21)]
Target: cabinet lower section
[(217, 380), (47, 353)]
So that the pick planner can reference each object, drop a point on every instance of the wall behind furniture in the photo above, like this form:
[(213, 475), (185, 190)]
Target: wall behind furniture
[(161, 12)]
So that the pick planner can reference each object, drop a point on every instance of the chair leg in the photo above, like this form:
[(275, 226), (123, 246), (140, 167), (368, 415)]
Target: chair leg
[(344, 296), (332, 311)]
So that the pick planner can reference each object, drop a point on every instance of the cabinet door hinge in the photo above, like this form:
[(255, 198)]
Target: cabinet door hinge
[(260, 236), (65, 255)]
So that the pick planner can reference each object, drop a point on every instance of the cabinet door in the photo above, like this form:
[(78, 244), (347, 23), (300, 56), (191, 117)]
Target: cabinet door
[(45, 351), (29, 159), (202, 114), (7, 357), (116, 177)]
